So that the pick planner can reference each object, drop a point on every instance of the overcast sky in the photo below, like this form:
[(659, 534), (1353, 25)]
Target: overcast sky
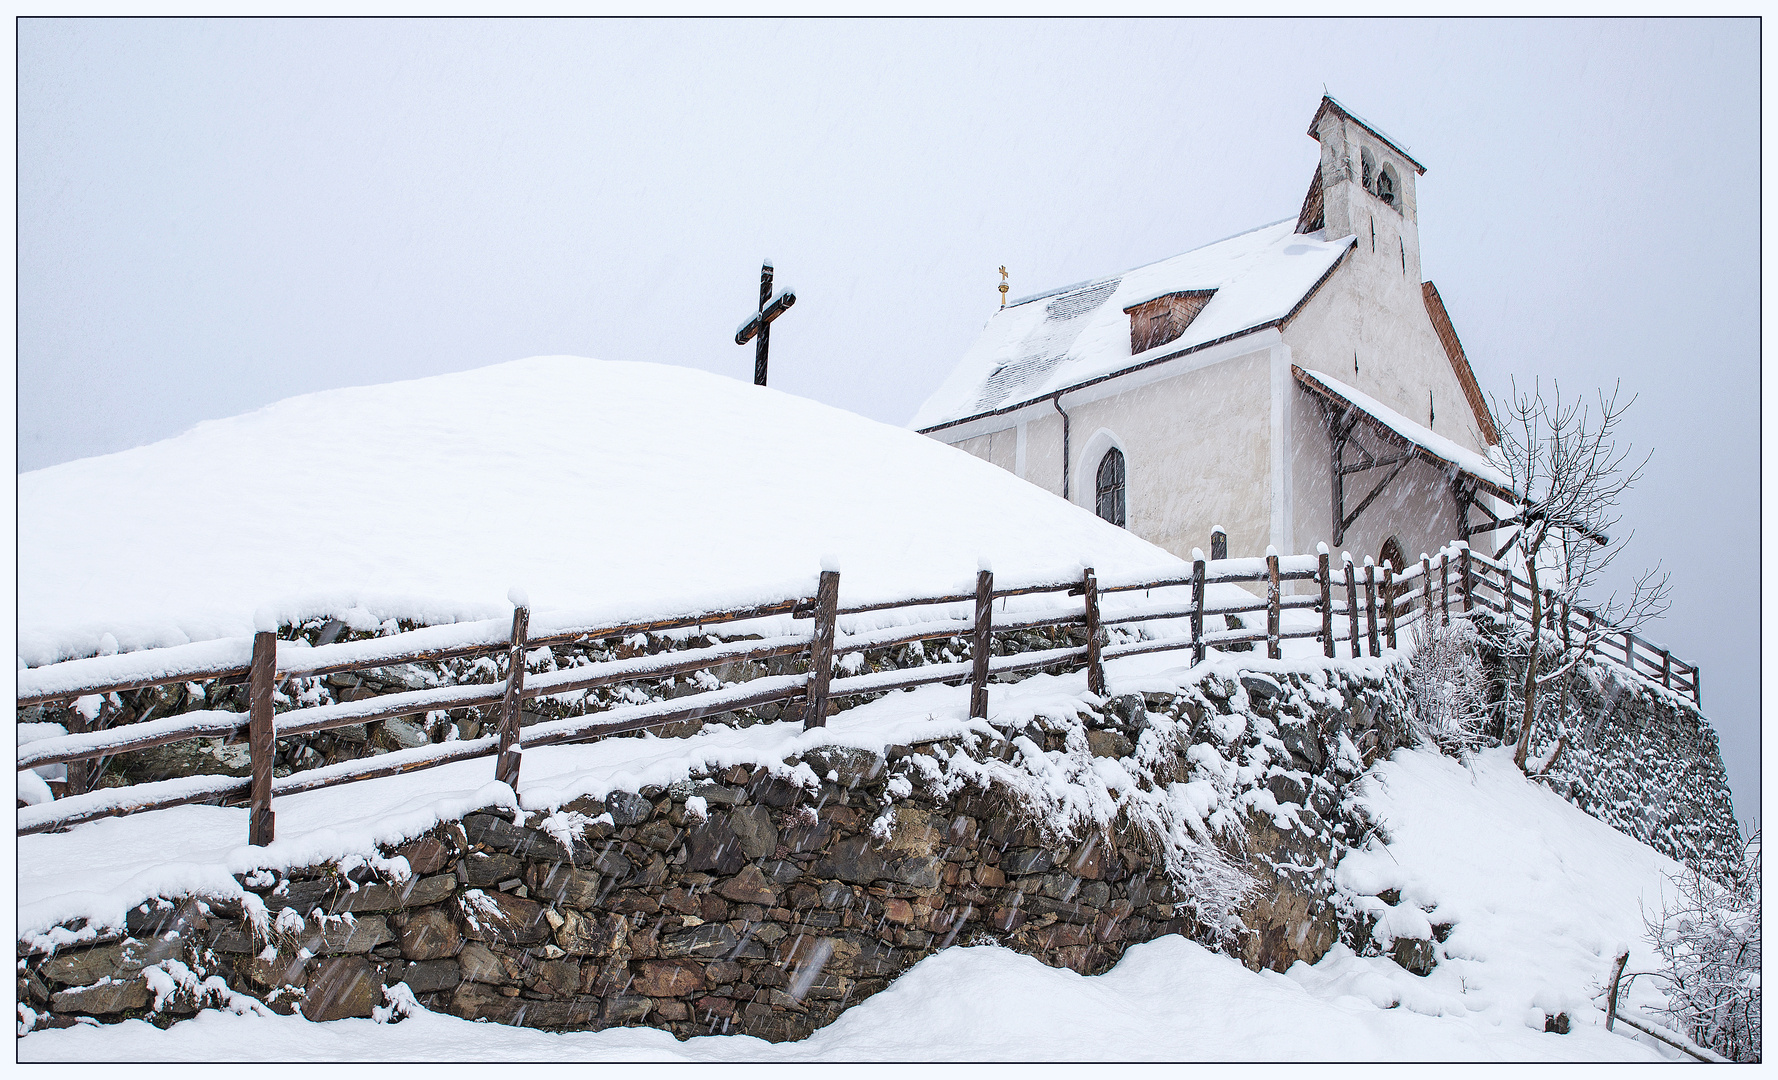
[(216, 215)]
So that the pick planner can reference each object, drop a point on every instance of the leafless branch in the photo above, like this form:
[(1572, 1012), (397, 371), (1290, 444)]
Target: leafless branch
[(1565, 460)]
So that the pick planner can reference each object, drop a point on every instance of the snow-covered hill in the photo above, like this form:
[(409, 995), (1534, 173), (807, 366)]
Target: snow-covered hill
[(1540, 895), (593, 485), (599, 486)]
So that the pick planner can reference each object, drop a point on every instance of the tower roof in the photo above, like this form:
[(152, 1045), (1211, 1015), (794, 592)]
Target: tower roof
[(1329, 104)]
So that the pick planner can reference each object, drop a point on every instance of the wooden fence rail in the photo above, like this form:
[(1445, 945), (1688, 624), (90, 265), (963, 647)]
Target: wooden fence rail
[(1361, 605)]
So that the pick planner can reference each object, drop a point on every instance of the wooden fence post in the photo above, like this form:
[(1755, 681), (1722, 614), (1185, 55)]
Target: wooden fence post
[(1356, 645), (1095, 670), (1219, 543), (1697, 689), (1425, 586), (261, 737), (80, 774), (1370, 606), (1197, 606), (506, 766), (1324, 572), (95, 767), (1565, 619), (1630, 651), (1666, 669), (827, 603), (1273, 596), (1444, 587), (1389, 603), (984, 638), (1617, 973), (1468, 578), (1506, 590), (1549, 609)]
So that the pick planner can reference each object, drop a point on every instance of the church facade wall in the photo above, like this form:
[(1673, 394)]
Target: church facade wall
[(994, 447), (1201, 447), (1043, 450), (1371, 331), (1196, 452), (1416, 508)]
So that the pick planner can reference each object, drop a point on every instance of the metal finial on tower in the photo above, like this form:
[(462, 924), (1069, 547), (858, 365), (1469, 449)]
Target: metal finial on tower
[(1003, 286)]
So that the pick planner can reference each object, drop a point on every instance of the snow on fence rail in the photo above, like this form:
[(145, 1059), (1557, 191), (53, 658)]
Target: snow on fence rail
[(1360, 605)]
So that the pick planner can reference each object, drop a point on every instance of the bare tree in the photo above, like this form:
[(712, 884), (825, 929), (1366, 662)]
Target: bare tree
[(1707, 936), (1565, 462)]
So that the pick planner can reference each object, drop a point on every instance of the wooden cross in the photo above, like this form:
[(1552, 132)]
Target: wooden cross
[(759, 327)]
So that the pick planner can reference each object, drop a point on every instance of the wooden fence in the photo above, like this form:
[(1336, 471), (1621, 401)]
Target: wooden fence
[(1365, 606)]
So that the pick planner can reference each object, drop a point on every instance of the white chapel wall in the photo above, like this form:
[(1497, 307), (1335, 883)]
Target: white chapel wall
[(1196, 448), (1400, 360)]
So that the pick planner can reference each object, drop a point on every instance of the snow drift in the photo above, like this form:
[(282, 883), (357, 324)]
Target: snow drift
[(590, 484)]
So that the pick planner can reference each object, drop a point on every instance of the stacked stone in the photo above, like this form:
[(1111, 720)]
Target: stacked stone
[(1649, 766), (741, 902), (1642, 759), (220, 757)]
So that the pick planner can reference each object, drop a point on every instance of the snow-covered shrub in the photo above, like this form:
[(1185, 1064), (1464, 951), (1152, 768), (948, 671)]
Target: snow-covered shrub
[(1708, 938), (1448, 684)]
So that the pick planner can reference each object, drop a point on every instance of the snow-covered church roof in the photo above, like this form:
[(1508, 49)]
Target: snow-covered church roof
[(1055, 340)]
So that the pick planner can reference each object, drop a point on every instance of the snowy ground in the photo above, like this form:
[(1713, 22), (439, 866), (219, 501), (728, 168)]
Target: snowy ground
[(420, 500), (598, 487), (1540, 895), (1168, 1000)]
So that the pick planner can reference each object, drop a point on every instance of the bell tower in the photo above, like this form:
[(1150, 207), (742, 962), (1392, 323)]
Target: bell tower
[(1365, 188)]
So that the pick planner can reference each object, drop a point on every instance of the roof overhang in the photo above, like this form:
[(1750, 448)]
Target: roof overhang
[(1329, 104), (1399, 430)]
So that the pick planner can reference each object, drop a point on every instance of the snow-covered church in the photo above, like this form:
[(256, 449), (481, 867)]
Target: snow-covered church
[(1296, 383)]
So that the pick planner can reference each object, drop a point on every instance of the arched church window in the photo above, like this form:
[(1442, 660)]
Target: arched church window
[(1391, 553), (1386, 185), (1367, 170), (1109, 489)]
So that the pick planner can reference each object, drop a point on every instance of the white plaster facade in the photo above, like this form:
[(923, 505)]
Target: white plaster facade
[(1216, 428)]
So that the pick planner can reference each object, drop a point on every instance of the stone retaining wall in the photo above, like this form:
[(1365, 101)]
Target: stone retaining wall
[(217, 756), (767, 898), (1640, 758), (1647, 764)]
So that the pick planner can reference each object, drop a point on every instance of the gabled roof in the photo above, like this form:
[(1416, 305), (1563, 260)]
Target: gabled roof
[(1327, 103), (1058, 340)]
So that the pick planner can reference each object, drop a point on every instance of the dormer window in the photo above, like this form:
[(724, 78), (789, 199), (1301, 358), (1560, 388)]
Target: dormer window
[(1156, 322)]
